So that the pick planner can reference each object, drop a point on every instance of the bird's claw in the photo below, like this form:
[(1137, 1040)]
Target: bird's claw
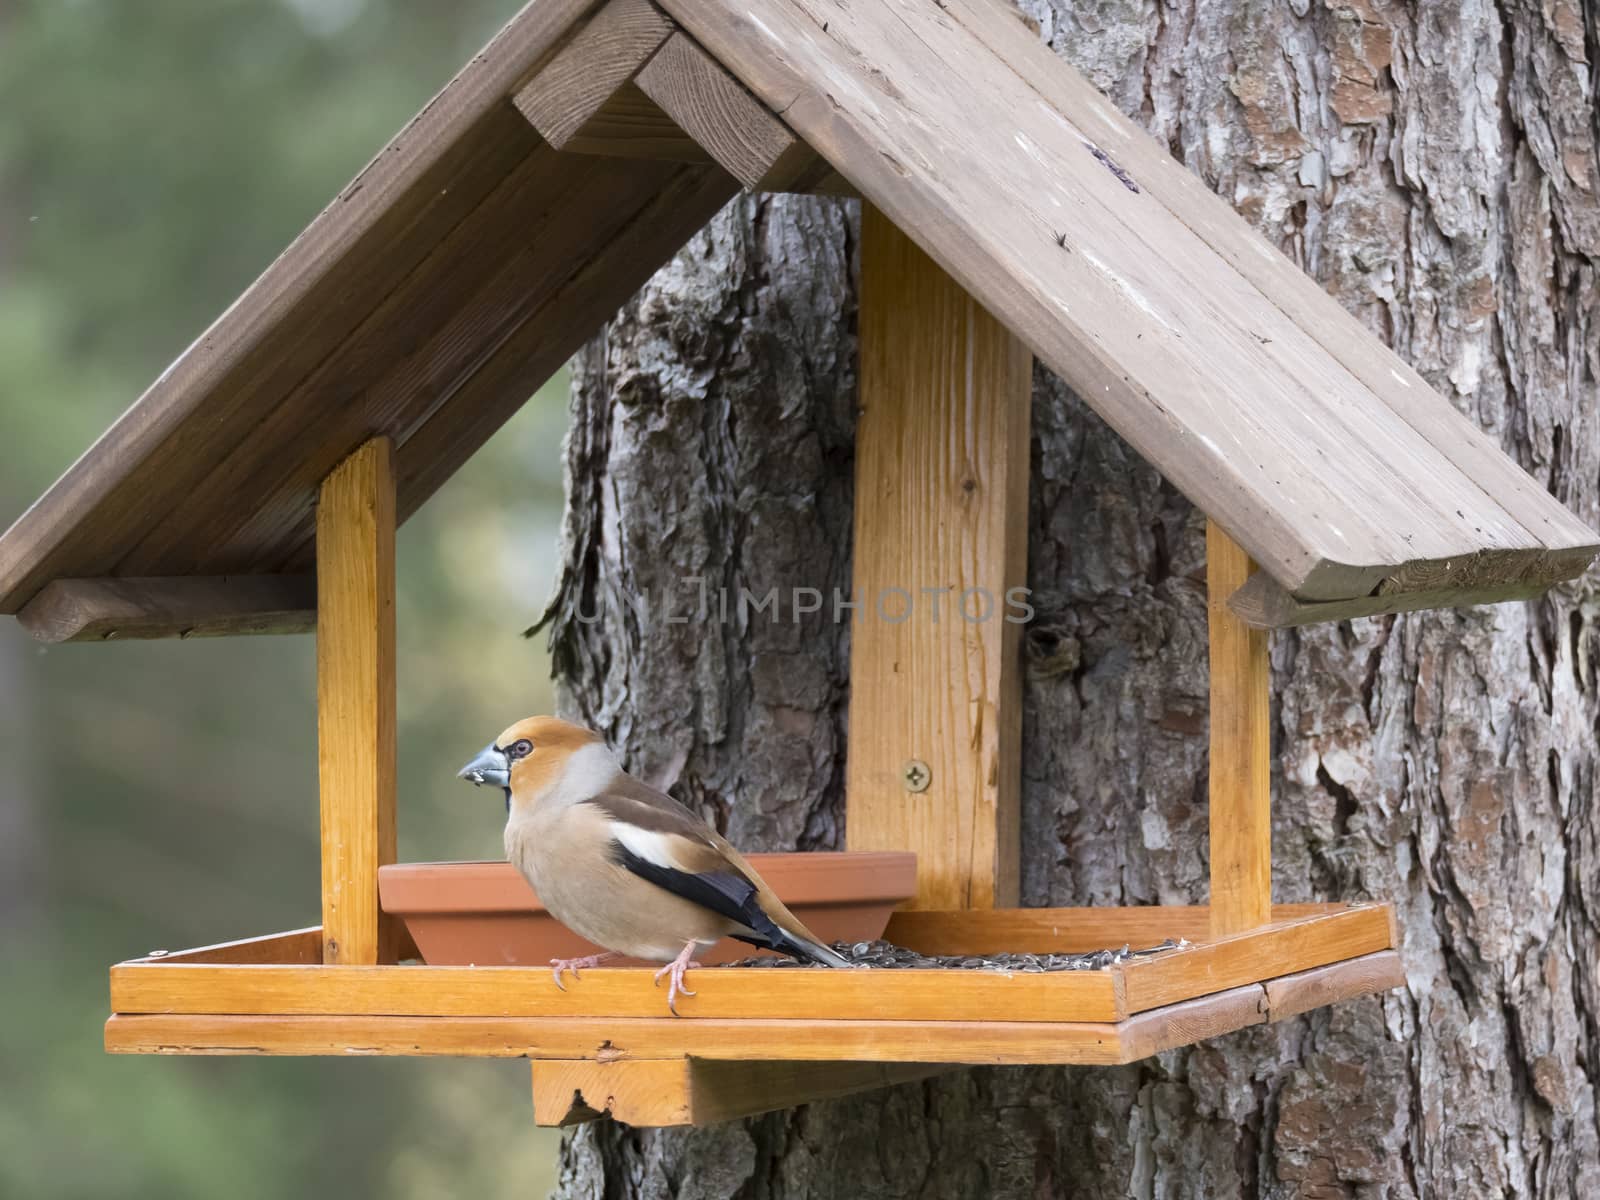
[(576, 965), (675, 987)]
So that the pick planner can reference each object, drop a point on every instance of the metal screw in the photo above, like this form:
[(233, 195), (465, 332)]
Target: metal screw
[(915, 775)]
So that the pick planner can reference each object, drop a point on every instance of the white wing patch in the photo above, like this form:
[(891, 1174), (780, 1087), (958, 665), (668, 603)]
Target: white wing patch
[(646, 844)]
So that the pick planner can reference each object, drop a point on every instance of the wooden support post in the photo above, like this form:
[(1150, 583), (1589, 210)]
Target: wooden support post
[(652, 1093), (940, 538), (356, 700), (1241, 737)]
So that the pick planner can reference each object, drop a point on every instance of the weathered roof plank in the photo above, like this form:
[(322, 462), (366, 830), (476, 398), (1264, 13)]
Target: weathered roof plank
[(1197, 362), (471, 258), (429, 178), (1300, 297)]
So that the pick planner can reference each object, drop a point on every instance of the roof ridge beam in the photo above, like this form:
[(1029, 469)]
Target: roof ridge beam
[(632, 84), (721, 114), (631, 125), (588, 71)]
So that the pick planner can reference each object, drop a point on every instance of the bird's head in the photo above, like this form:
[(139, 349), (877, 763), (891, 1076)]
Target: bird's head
[(529, 758)]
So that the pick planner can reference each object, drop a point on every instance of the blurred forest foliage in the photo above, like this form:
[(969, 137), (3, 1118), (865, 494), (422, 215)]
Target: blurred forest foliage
[(154, 157)]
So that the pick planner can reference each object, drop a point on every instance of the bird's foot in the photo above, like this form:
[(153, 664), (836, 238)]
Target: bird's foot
[(558, 965), (674, 970)]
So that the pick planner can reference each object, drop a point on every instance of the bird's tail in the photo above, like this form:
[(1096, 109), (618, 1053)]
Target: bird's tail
[(806, 949)]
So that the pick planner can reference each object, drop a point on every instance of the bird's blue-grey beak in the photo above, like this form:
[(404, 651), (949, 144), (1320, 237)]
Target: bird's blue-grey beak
[(491, 766)]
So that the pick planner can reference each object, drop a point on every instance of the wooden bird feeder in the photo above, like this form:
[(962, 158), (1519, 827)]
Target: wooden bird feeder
[(1010, 212)]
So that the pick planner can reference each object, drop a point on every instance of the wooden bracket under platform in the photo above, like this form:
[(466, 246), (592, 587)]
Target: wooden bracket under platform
[(655, 1092)]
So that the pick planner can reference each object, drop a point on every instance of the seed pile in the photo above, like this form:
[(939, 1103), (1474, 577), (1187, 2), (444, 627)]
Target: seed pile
[(888, 955)]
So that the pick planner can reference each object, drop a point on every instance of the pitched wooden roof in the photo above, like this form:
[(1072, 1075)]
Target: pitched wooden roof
[(471, 258)]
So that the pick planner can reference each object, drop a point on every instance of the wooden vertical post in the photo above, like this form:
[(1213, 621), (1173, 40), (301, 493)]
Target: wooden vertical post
[(1241, 737), (940, 537), (356, 700)]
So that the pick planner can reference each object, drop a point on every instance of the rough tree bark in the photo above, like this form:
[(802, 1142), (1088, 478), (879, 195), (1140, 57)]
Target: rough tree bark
[(1435, 165)]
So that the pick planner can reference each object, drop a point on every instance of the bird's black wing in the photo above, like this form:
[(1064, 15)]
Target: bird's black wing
[(720, 886), (725, 893)]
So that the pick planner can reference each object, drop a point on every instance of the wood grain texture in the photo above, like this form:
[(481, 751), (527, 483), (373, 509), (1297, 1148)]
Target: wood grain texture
[(759, 1039), (1210, 218), (1240, 785), (1307, 937), (631, 125), (1191, 1021), (298, 946), (654, 1093), (626, 992), (1114, 743), (636, 237), (916, 1047), (574, 85), (1263, 953), (93, 610), (643, 1092), (940, 539), (356, 701), (1262, 604), (1145, 264), (723, 1091), (442, 359), (1484, 569), (1291, 995), (715, 109), (1066, 930), (429, 178), (409, 363), (1196, 364)]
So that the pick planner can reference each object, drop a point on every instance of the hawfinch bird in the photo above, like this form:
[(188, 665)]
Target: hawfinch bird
[(624, 865)]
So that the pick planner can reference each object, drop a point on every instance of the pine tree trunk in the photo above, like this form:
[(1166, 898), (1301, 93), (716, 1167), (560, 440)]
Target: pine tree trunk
[(1435, 165)]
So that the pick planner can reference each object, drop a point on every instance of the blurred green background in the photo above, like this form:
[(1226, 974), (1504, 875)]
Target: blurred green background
[(154, 157)]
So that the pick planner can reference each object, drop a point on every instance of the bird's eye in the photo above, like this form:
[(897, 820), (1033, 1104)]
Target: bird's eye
[(520, 749)]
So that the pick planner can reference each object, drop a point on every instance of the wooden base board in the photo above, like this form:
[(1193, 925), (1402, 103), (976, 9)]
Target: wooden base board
[(1305, 938), (752, 1041), (759, 1040)]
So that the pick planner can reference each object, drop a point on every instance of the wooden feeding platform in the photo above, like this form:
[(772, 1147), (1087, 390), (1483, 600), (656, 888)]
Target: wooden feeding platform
[(1009, 214), (273, 995)]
